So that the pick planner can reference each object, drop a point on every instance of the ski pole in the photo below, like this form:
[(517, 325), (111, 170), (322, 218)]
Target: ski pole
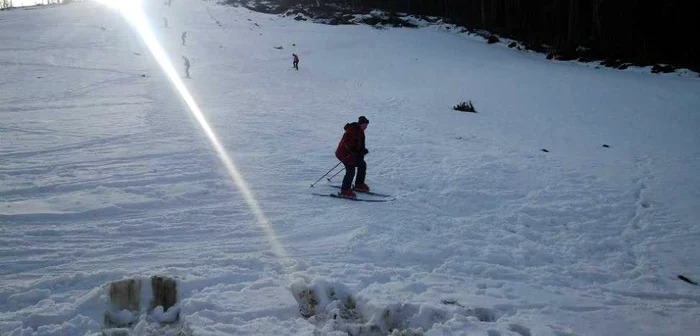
[(334, 175), (324, 175)]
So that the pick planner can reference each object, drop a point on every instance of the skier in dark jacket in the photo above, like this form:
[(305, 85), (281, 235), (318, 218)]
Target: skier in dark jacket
[(351, 152), (295, 61)]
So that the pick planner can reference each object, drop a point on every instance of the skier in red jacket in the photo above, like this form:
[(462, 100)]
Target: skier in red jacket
[(351, 152)]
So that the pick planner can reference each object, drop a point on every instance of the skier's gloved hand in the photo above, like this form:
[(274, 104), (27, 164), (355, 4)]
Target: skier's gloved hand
[(365, 151)]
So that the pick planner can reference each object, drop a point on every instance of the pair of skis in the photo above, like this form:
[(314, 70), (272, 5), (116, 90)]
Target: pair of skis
[(384, 197)]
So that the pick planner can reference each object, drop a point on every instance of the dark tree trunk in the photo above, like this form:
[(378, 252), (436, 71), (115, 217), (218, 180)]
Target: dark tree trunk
[(571, 38)]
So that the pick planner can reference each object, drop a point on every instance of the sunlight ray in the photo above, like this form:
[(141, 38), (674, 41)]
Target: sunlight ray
[(132, 11)]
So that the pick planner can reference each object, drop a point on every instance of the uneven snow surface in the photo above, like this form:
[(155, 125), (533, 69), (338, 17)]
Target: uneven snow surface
[(105, 176)]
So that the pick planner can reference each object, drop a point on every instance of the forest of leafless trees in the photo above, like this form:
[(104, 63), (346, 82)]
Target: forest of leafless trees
[(641, 32), (5, 4)]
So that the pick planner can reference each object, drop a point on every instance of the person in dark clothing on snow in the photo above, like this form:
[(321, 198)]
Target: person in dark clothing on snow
[(351, 152), (295, 61)]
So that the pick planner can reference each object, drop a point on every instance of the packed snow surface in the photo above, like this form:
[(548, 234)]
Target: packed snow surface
[(106, 176)]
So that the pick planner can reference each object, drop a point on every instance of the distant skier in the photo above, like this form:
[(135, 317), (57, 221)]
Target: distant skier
[(187, 66), (351, 152), (184, 36), (165, 22), (295, 62)]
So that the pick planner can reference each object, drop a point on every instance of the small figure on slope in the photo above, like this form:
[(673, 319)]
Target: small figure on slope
[(187, 66), (295, 62)]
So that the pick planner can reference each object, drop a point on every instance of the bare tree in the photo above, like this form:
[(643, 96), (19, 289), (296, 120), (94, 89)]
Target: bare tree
[(571, 38)]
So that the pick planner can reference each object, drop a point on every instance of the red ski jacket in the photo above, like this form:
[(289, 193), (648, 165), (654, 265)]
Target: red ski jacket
[(352, 145)]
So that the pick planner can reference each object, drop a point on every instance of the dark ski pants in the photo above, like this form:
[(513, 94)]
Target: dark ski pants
[(350, 173), (296, 65)]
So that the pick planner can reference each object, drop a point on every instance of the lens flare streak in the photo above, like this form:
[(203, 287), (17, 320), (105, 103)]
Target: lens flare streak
[(132, 11)]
